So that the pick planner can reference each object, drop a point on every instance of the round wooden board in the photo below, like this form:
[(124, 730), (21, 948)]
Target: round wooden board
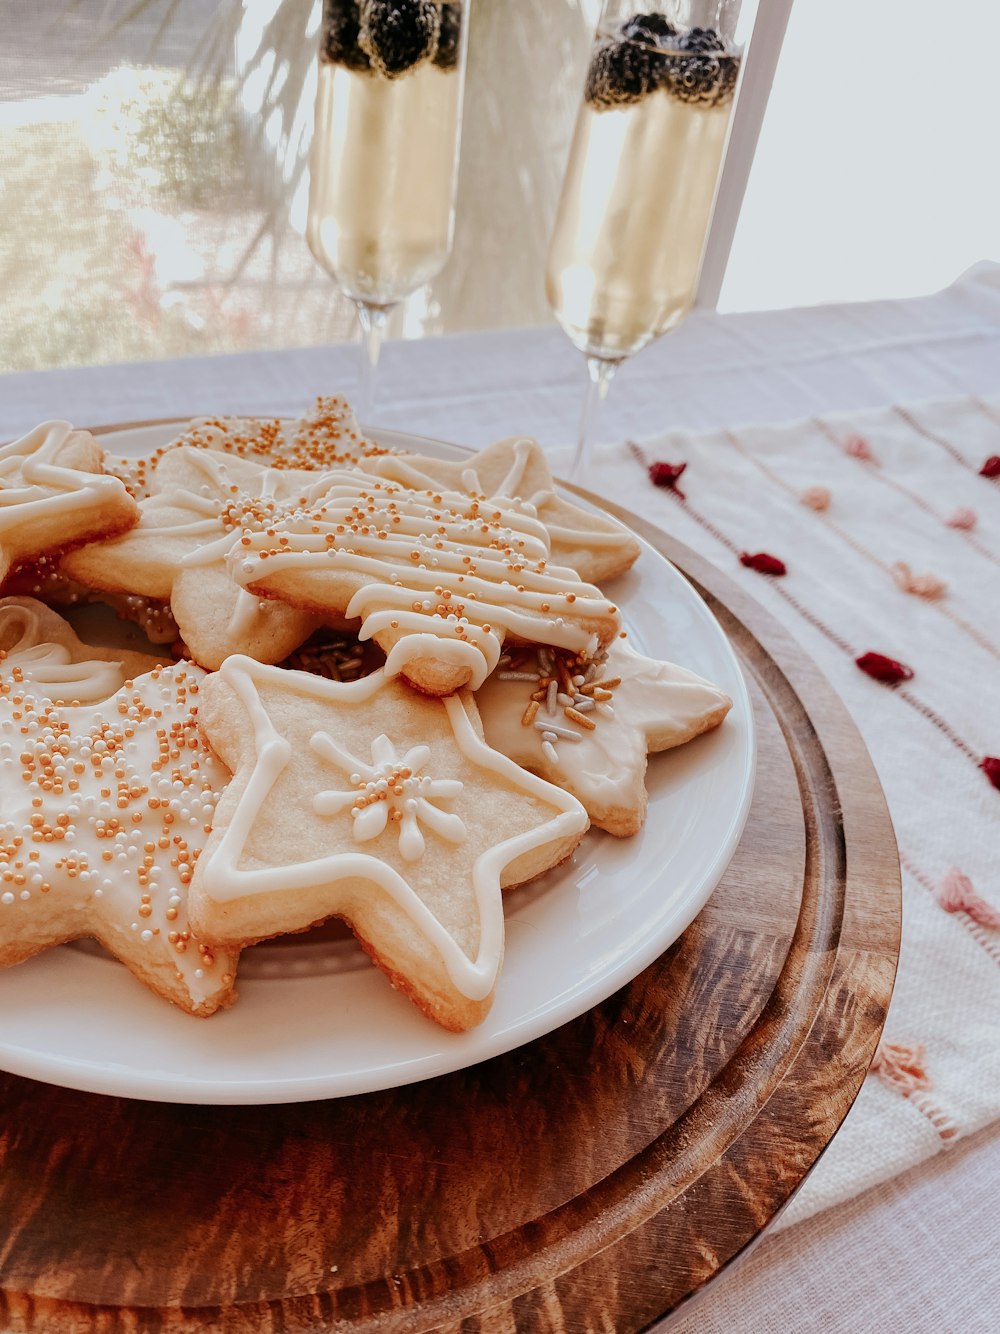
[(593, 1180)]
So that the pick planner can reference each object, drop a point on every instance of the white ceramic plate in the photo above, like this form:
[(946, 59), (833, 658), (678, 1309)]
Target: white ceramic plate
[(315, 1020)]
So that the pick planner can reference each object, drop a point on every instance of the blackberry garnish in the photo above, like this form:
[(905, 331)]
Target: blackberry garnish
[(397, 35), (621, 73), (451, 35), (701, 71), (655, 29), (339, 40)]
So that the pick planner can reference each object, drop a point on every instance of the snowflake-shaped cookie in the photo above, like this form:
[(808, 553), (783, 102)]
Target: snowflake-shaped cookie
[(200, 504)]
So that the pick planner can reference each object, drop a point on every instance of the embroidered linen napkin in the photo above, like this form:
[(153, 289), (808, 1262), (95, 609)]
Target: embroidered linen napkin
[(888, 527)]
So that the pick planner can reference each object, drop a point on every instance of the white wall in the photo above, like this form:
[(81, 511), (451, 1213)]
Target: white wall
[(878, 168)]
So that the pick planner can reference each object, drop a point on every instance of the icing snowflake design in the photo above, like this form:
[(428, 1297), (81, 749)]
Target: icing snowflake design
[(390, 789)]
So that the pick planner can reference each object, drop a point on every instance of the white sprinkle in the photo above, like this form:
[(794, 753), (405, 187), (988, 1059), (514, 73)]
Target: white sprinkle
[(7, 898), (550, 752), (547, 728), (517, 676), (550, 697)]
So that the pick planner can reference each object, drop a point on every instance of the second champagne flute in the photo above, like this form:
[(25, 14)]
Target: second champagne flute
[(384, 157), (641, 181)]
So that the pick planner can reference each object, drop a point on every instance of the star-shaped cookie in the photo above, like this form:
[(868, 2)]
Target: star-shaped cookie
[(326, 436), (201, 502), (594, 545), (588, 727), (439, 579), (54, 494), (370, 802), (46, 653), (104, 810)]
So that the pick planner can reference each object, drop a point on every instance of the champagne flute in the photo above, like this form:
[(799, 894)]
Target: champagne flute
[(641, 180), (384, 156)]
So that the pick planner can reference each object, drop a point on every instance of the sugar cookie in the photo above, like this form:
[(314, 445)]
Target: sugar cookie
[(53, 494), (104, 810), (594, 545), (45, 579), (439, 579), (201, 502), (324, 437), (54, 664), (588, 727), (369, 802)]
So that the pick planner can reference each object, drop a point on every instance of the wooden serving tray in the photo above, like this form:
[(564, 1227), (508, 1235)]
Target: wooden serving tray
[(593, 1180)]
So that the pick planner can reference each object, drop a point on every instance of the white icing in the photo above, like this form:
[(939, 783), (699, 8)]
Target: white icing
[(605, 764), (470, 564), (34, 487), (415, 647), (49, 667), (115, 799), (391, 787), (589, 530), (222, 878), (221, 511)]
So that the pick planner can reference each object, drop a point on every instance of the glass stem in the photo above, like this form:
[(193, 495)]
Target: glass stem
[(600, 372), (373, 321)]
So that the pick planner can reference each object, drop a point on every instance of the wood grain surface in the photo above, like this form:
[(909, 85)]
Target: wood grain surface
[(592, 1181)]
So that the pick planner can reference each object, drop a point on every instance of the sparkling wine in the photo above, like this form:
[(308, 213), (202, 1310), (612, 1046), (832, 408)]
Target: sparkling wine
[(383, 167), (637, 199)]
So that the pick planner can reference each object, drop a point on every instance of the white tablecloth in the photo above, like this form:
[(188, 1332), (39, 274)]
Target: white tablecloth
[(917, 1252)]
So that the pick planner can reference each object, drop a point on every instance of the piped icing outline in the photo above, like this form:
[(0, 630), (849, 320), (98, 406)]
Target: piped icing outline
[(33, 486), (411, 471), (50, 667), (222, 881)]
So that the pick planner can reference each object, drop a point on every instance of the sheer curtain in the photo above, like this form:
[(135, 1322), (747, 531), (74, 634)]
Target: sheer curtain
[(152, 177)]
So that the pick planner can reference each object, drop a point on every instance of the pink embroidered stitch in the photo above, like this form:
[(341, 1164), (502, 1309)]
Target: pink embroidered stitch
[(816, 497), (957, 894), (921, 585), (963, 517), (857, 447), (901, 1067)]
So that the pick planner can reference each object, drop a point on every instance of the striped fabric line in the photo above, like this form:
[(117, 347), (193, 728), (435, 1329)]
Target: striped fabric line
[(973, 632), (986, 940), (898, 692), (947, 446), (900, 1067), (827, 431)]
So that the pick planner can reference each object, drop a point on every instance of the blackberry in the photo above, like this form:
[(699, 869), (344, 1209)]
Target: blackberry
[(339, 35), (398, 35), (621, 73), (654, 29), (451, 35), (701, 72)]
